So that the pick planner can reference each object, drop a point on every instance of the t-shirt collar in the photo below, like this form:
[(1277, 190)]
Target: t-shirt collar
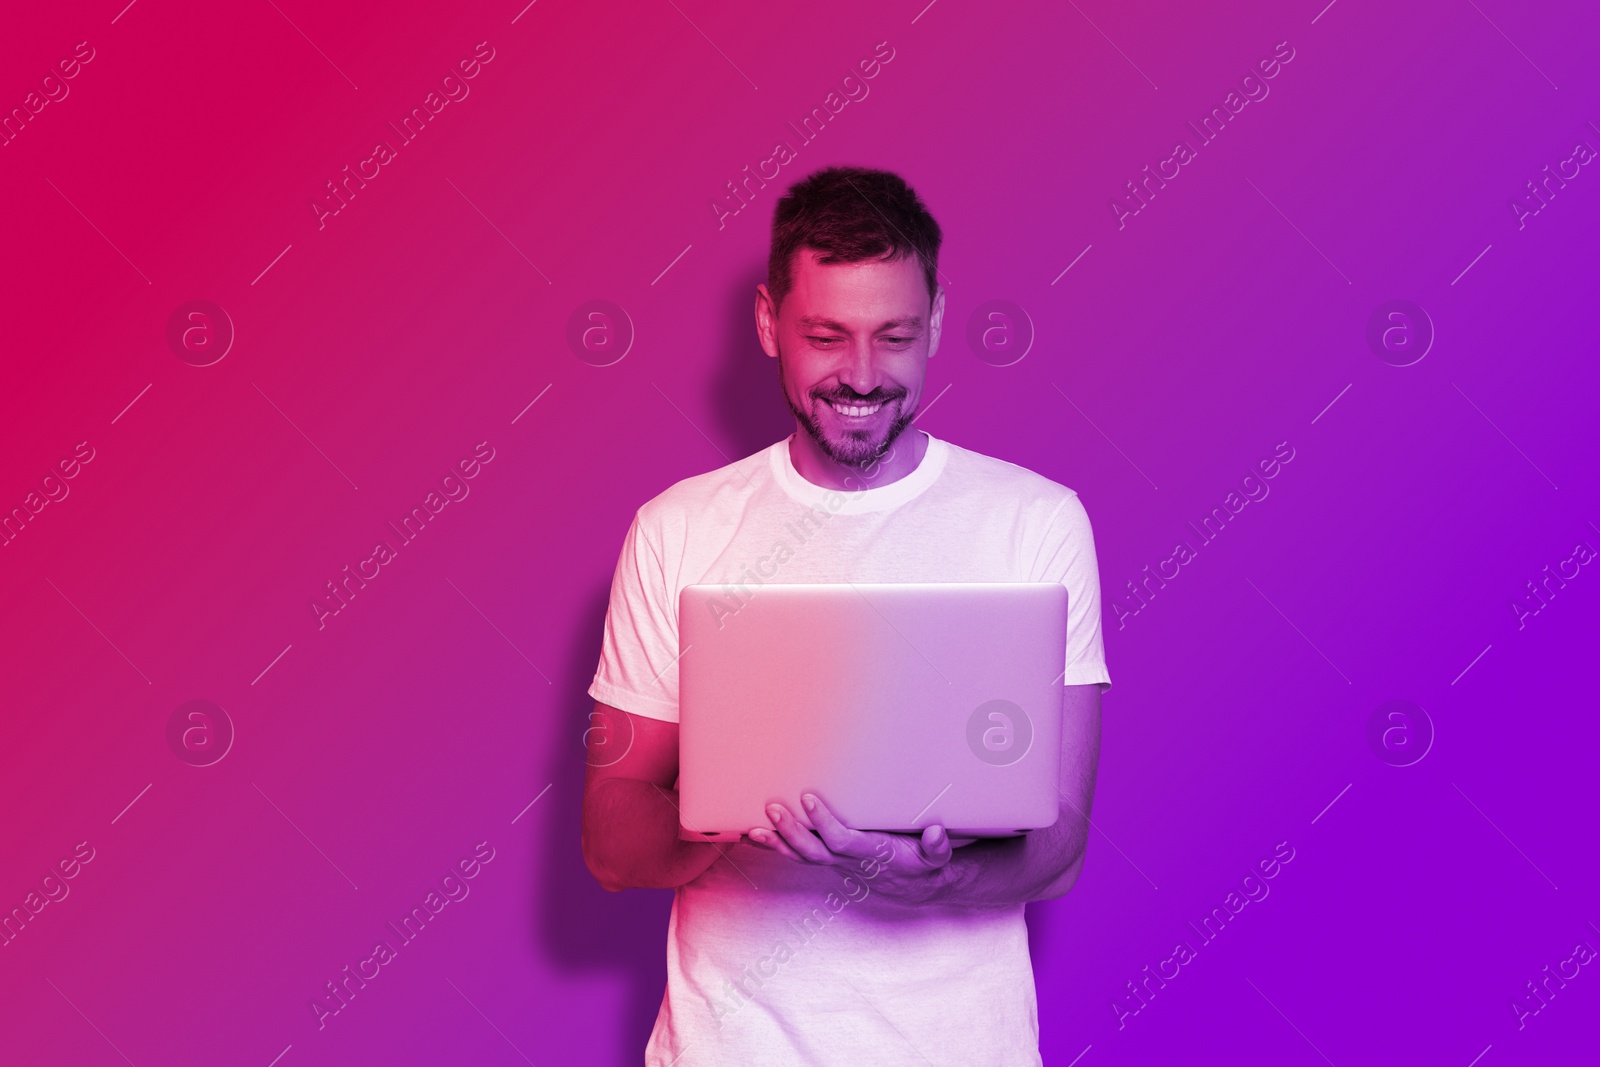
[(856, 501)]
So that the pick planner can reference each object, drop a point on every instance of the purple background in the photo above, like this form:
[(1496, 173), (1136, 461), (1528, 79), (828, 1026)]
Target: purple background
[(373, 353)]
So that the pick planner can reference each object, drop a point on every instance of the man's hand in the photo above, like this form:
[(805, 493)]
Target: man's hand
[(913, 873), (1040, 865)]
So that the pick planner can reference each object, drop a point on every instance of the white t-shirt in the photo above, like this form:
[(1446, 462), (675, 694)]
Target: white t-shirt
[(775, 962)]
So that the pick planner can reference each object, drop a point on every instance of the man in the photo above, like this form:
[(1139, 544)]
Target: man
[(840, 946)]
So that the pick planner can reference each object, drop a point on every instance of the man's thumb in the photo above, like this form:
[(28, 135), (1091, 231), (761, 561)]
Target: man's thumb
[(936, 845)]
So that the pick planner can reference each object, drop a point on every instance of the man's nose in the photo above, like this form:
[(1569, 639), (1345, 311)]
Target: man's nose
[(858, 371)]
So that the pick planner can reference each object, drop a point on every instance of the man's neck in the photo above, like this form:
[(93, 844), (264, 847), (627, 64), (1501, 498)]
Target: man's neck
[(817, 467)]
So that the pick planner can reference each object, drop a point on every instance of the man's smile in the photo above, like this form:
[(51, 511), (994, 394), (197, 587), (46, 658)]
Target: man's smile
[(854, 412)]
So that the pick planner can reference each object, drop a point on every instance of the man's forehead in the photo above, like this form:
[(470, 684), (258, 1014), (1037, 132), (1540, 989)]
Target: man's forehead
[(868, 294)]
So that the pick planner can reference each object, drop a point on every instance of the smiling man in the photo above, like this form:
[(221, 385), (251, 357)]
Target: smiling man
[(765, 962)]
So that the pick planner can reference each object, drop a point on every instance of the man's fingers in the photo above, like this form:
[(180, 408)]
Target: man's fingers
[(835, 834), (769, 840), (796, 836), (935, 846), (834, 841)]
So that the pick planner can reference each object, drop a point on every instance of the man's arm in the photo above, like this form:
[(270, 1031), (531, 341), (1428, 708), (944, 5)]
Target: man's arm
[(1045, 863), (630, 808), (1038, 866)]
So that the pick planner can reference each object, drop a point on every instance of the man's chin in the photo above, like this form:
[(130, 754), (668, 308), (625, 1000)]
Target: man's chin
[(853, 452), (859, 448)]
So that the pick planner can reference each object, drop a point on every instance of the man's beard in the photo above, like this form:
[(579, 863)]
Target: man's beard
[(857, 449)]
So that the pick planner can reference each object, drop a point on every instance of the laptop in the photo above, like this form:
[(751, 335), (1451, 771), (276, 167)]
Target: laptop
[(900, 705)]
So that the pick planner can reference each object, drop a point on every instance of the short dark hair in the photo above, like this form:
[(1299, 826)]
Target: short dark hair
[(850, 214)]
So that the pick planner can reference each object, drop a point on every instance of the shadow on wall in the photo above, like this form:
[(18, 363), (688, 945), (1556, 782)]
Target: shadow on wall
[(748, 403), (580, 927)]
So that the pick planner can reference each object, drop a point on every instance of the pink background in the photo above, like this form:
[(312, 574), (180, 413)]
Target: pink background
[(376, 352)]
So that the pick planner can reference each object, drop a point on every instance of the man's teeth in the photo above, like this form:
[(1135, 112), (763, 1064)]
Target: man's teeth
[(855, 411)]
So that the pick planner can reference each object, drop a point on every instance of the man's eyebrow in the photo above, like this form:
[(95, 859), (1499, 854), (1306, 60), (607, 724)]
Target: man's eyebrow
[(817, 322)]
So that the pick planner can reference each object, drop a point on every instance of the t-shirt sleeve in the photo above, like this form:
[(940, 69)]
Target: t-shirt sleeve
[(639, 651), (1068, 556)]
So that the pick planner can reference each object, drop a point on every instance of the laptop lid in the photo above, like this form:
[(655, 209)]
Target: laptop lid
[(900, 705)]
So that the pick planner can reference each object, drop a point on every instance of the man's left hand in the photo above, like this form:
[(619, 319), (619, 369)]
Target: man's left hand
[(915, 868)]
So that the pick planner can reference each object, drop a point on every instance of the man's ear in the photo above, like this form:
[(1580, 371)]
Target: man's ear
[(936, 321), (766, 321)]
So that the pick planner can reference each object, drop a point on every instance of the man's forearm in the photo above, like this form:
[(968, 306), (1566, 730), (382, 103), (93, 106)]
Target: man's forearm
[(1036, 866), (630, 837)]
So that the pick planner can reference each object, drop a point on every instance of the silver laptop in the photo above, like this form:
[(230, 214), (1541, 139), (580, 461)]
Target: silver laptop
[(900, 705)]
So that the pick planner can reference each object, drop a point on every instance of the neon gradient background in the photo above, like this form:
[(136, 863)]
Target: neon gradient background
[(376, 352)]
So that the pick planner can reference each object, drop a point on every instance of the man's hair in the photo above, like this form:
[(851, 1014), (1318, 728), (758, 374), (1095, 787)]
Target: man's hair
[(851, 214)]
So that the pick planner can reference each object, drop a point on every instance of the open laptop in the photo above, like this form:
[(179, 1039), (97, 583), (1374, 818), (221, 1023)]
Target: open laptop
[(900, 705)]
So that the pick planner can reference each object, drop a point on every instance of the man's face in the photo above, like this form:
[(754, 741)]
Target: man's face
[(852, 342)]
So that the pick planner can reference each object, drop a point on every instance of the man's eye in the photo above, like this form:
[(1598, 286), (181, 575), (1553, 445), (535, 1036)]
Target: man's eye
[(822, 340), (898, 340)]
